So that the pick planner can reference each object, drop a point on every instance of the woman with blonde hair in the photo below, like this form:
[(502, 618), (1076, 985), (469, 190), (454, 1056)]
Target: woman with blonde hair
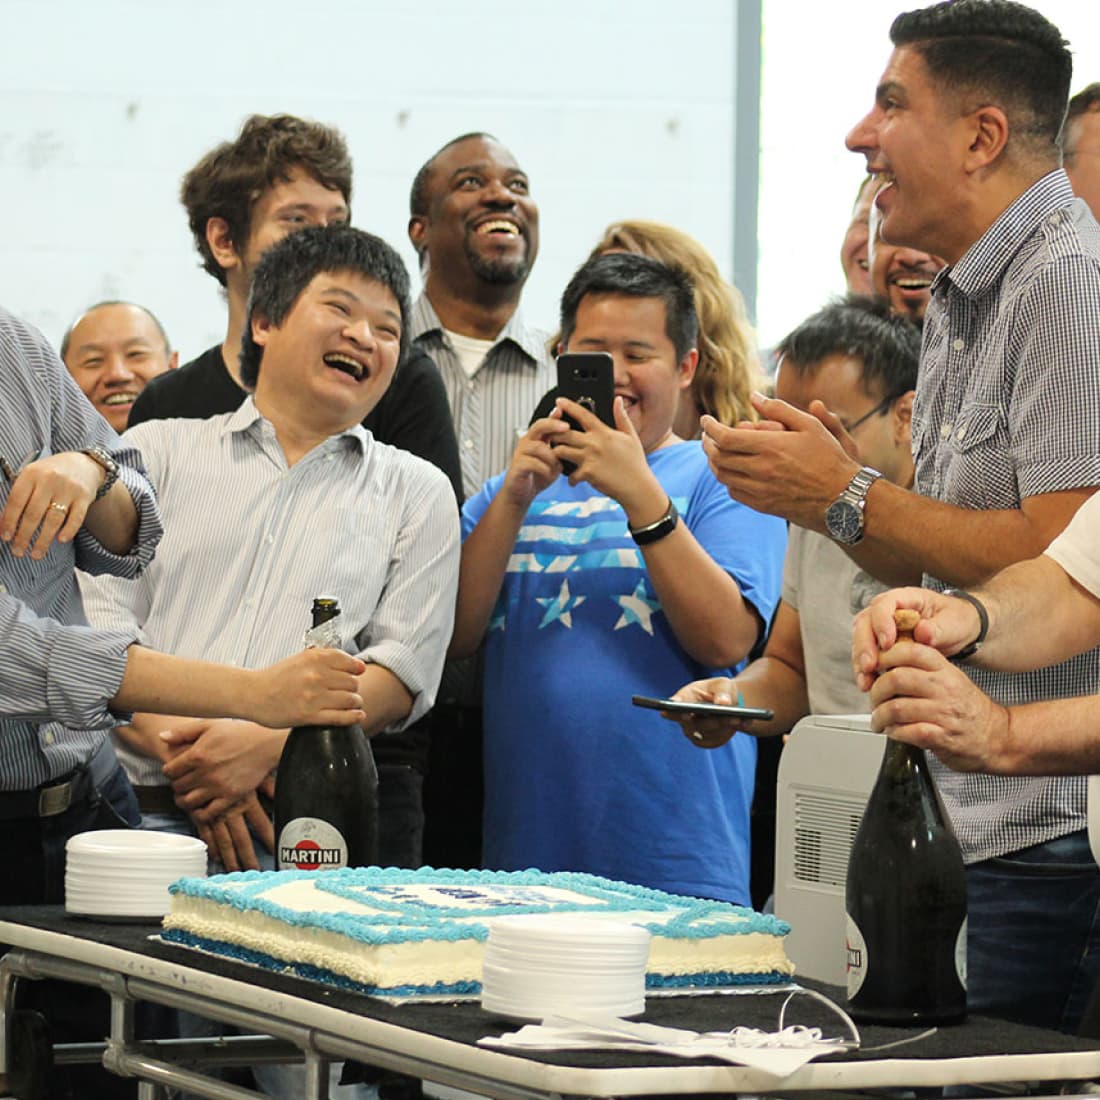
[(728, 369)]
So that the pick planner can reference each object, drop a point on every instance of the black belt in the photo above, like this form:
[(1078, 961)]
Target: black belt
[(56, 796), (157, 799)]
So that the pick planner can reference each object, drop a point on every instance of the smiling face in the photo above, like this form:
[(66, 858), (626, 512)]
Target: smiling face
[(917, 140), (902, 276), (112, 352), (333, 357), (648, 376), (481, 223), (854, 248)]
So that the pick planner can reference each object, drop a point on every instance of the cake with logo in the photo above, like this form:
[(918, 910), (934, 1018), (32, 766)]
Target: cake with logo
[(393, 932)]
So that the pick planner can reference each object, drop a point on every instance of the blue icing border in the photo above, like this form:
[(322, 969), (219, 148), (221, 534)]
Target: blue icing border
[(243, 890)]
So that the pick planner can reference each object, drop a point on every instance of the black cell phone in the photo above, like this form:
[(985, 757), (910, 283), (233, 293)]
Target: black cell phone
[(704, 710), (587, 377)]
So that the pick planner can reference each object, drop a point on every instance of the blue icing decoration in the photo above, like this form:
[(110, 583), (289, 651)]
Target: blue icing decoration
[(454, 915)]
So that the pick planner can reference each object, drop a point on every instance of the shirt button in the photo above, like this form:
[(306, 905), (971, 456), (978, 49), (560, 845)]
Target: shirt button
[(470, 387), (48, 738), (1055, 219), (329, 458), (945, 431), (3, 589), (269, 539), (958, 344), (468, 444), (960, 435)]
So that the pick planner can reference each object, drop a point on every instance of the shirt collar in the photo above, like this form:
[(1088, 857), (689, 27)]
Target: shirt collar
[(248, 418), (984, 262), (530, 341)]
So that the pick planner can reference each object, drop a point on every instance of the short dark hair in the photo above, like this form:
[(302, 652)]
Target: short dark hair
[(288, 267), (227, 181), (1086, 100), (999, 52), (886, 344), (635, 276), (113, 302), (418, 193)]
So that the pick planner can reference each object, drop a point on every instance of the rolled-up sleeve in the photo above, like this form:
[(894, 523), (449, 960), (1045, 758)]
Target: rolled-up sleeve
[(54, 672)]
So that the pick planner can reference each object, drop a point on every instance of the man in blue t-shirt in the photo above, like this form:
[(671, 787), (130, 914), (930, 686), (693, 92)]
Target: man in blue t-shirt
[(635, 570)]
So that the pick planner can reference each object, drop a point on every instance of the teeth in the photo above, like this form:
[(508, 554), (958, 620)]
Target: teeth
[(498, 225), (346, 364), (913, 284), (120, 399)]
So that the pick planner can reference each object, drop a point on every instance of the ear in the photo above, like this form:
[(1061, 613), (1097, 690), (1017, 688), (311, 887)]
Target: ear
[(988, 131), (173, 360), (220, 243), (418, 230), (902, 419), (685, 372), (261, 329)]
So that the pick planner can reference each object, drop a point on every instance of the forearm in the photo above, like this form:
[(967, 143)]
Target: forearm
[(703, 603), (142, 735), (485, 555), (1056, 737), (908, 535), (1038, 616), (772, 683), (386, 700), (113, 521), (164, 684)]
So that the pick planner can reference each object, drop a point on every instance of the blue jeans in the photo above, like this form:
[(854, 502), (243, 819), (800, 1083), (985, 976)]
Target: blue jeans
[(1034, 933)]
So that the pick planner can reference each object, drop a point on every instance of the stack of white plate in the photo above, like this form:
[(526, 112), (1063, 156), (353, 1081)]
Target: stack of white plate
[(551, 964), (125, 873)]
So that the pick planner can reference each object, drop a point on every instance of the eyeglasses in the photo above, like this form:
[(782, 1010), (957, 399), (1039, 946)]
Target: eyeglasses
[(881, 407)]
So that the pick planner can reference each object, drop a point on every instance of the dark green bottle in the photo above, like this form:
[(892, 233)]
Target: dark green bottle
[(326, 789)]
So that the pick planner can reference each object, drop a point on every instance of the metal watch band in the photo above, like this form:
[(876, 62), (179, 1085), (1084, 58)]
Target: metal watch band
[(643, 536), (105, 459), (983, 622)]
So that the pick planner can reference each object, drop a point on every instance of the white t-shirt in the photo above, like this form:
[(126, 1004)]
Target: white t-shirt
[(471, 352), (1077, 548)]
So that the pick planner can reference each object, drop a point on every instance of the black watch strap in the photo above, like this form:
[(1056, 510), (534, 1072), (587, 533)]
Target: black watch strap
[(983, 622), (643, 536)]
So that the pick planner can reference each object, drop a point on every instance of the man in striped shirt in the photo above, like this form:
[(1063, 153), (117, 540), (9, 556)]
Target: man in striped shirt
[(1006, 439), (475, 227)]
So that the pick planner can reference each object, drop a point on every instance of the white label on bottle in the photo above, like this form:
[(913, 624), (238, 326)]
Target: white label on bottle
[(960, 953), (310, 844), (856, 948)]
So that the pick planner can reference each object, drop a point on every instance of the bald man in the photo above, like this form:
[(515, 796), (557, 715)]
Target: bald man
[(112, 350)]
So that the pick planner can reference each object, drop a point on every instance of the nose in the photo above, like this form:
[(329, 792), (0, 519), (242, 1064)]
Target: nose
[(360, 333), (861, 138), (496, 194), (117, 370)]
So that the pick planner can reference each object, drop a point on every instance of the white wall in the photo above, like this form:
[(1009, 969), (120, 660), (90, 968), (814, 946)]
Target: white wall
[(614, 109)]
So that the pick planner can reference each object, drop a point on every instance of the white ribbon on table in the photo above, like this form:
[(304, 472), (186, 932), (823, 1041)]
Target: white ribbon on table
[(777, 1053)]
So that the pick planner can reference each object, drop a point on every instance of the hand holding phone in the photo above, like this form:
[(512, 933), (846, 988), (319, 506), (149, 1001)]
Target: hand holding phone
[(703, 710), (588, 378)]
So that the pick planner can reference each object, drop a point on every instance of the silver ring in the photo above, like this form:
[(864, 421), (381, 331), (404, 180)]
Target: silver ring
[(60, 507), (696, 735)]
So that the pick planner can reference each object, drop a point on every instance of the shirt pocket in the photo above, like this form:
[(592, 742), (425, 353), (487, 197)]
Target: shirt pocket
[(977, 466)]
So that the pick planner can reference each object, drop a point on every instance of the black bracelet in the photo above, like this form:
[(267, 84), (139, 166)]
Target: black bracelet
[(983, 622), (643, 536)]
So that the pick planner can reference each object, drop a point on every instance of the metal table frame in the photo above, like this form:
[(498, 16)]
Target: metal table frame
[(292, 1027)]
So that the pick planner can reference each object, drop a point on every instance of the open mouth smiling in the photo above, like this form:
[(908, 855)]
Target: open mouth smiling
[(114, 399), (495, 226), (347, 365)]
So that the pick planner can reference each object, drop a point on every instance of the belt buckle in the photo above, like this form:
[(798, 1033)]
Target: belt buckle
[(55, 800)]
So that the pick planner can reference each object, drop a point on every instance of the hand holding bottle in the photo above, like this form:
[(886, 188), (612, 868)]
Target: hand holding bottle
[(317, 687)]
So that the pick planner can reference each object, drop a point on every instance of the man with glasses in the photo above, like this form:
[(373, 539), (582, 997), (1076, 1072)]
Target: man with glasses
[(861, 361)]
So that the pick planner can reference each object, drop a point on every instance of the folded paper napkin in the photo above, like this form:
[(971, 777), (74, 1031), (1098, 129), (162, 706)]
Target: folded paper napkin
[(778, 1053)]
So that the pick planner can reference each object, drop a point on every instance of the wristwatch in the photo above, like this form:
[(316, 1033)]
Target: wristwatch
[(110, 467), (844, 517)]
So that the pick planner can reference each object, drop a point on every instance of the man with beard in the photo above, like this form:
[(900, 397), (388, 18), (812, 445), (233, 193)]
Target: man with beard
[(900, 276), (475, 227)]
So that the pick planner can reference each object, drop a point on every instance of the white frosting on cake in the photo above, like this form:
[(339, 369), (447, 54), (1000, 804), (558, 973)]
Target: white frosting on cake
[(388, 930)]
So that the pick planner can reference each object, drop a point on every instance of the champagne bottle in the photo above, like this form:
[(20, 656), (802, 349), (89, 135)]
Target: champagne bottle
[(906, 899), (326, 788)]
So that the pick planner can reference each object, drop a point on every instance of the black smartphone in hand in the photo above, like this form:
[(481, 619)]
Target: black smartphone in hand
[(587, 377), (702, 710)]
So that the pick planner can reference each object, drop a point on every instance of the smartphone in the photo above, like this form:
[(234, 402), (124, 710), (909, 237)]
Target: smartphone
[(587, 377), (704, 710)]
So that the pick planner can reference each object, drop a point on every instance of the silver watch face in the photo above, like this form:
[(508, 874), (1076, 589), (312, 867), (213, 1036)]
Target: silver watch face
[(844, 521)]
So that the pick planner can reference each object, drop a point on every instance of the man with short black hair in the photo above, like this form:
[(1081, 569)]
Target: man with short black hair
[(633, 574), (1006, 437)]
